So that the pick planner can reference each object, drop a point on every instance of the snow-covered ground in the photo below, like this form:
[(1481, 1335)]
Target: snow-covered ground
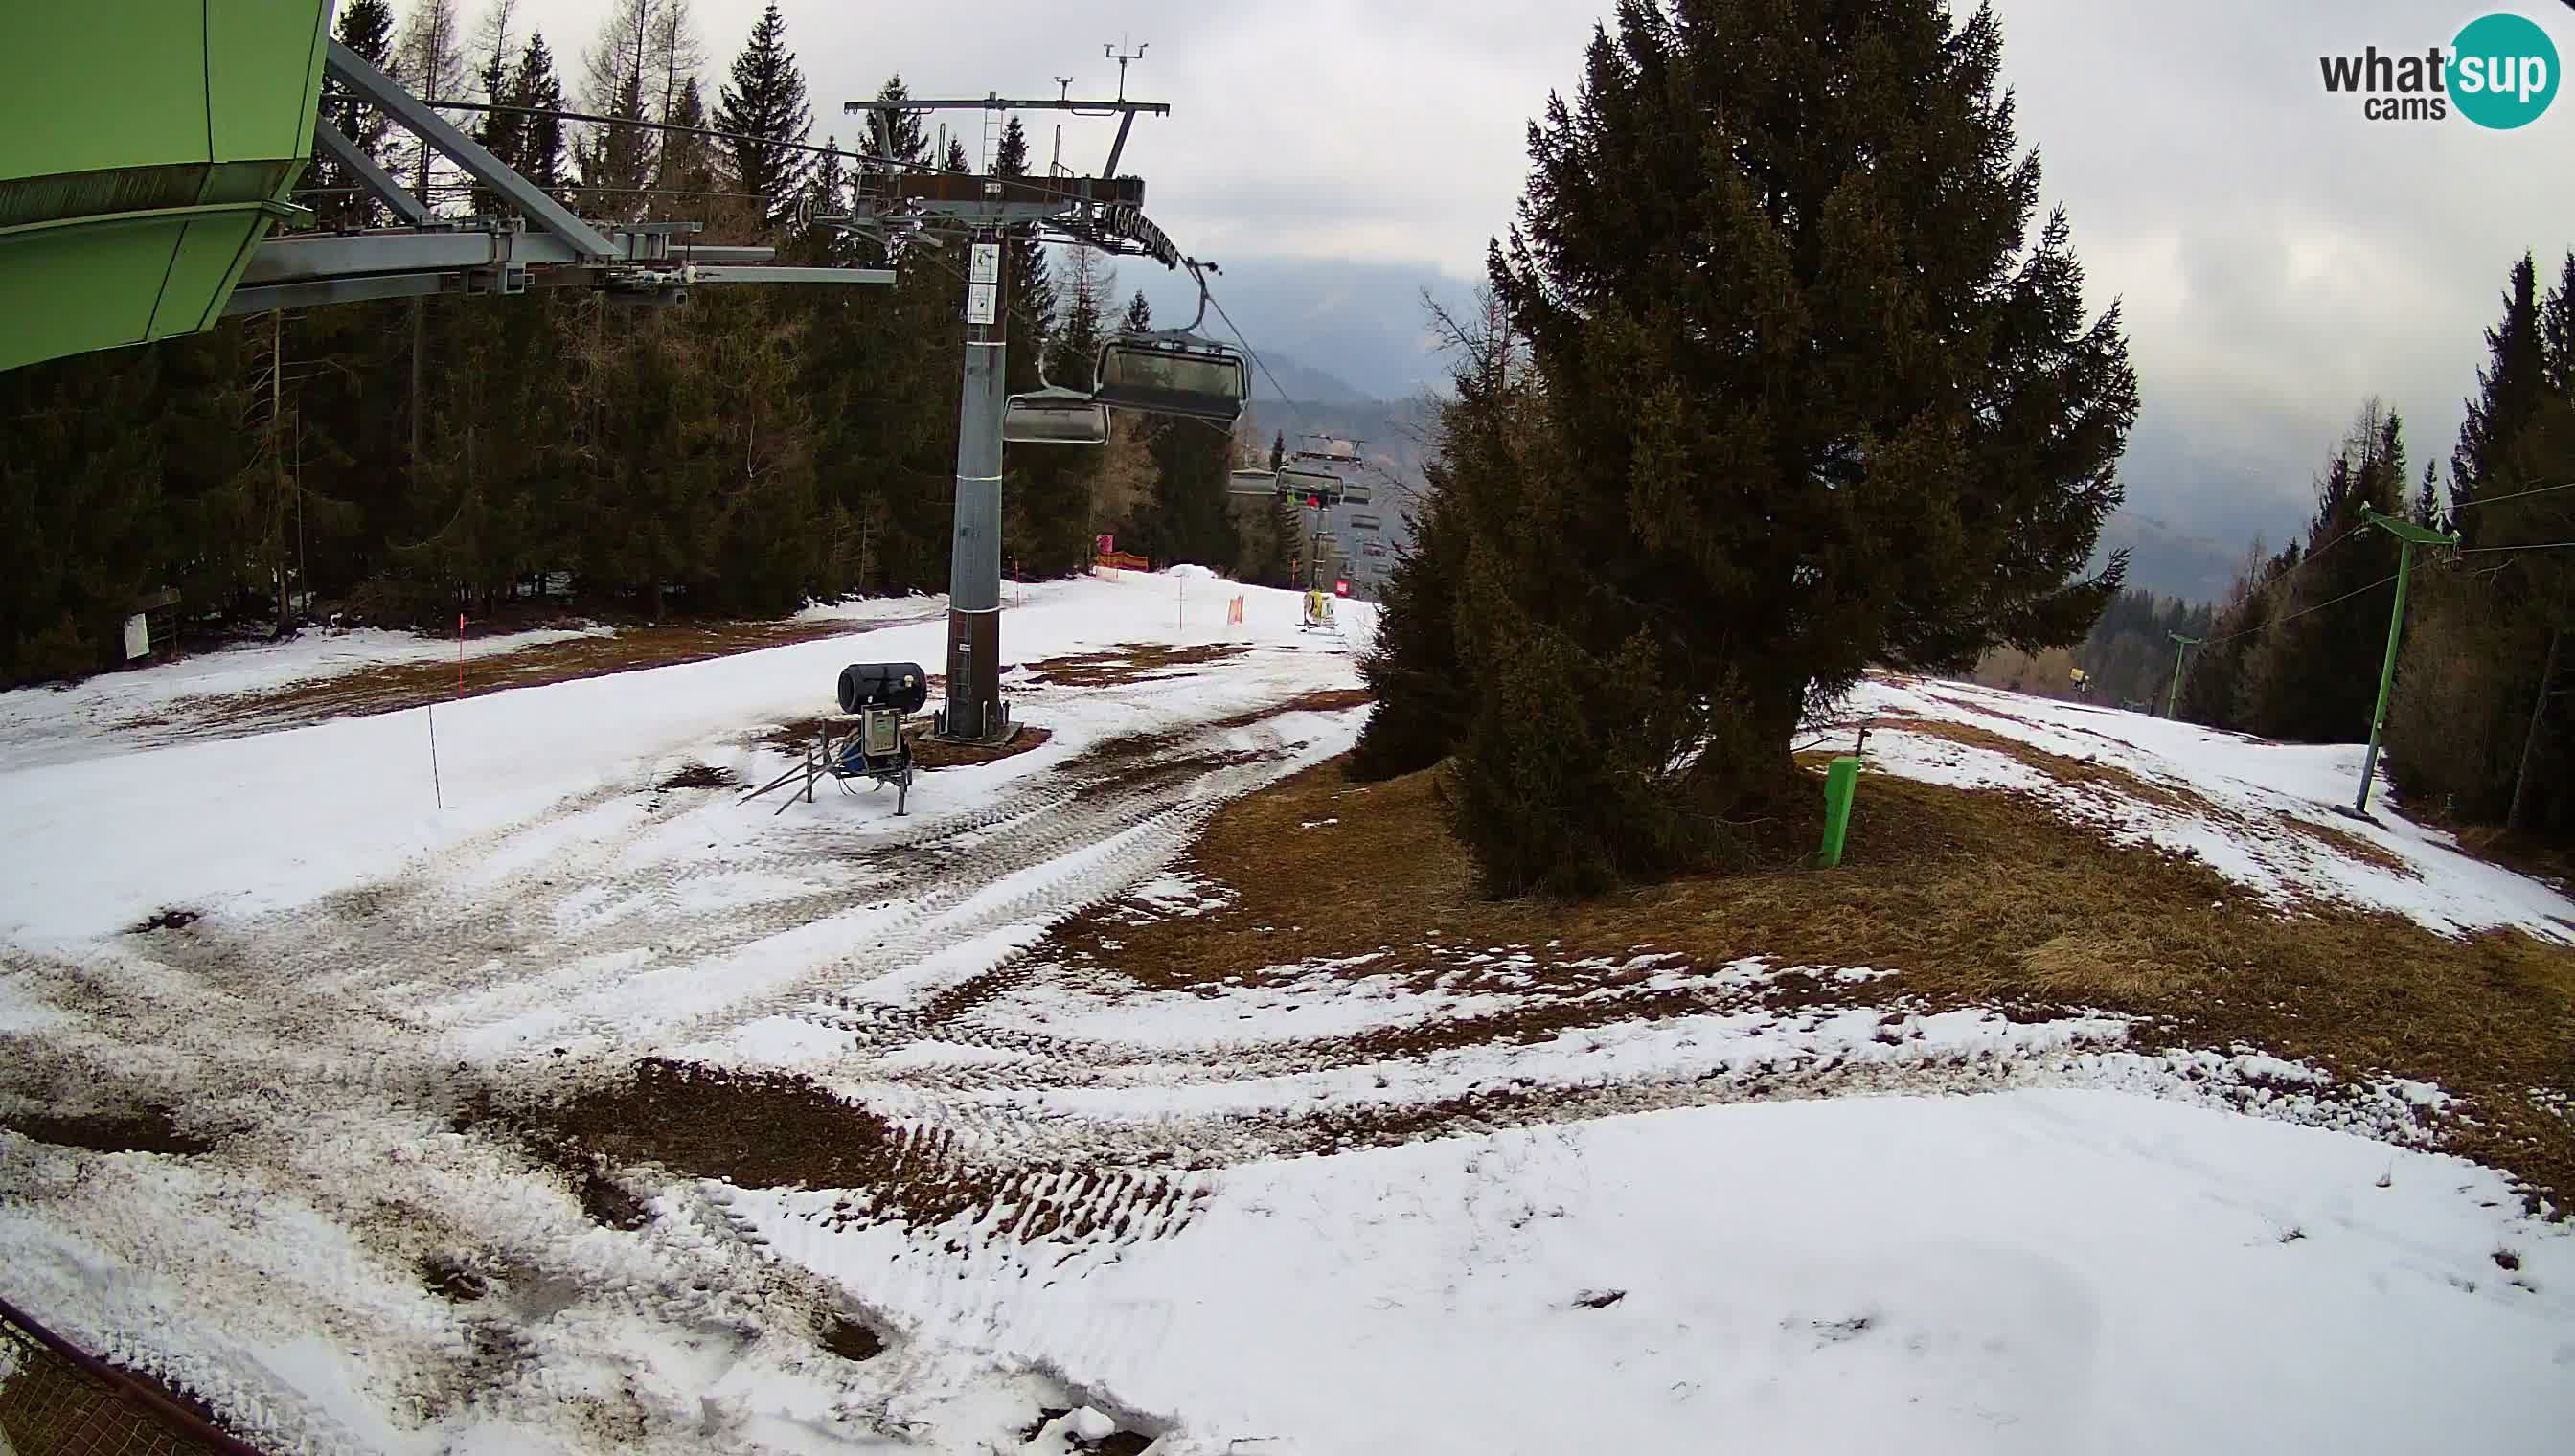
[(2252, 810), (1746, 1219), (159, 705)]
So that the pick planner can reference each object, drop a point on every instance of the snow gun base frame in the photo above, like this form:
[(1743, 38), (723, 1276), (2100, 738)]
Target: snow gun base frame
[(862, 753)]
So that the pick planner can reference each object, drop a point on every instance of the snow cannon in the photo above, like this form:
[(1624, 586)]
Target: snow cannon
[(876, 747), (902, 686)]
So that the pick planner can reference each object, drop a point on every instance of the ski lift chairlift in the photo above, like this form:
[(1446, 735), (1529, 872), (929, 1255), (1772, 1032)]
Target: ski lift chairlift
[(1312, 485), (1174, 371), (1055, 415)]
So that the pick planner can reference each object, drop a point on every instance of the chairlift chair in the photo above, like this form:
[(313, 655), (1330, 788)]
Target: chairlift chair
[(1055, 415), (1174, 371), (1312, 485)]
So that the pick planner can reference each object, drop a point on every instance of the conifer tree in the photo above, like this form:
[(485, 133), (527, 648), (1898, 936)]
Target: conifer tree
[(338, 199), (616, 160), (534, 86), (765, 105), (2509, 387), (1814, 389), (2312, 674), (429, 57), (500, 132)]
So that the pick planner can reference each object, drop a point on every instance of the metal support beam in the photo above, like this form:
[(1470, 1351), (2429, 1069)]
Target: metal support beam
[(1117, 148), (727, 252), (342, 255), (1003, 102), (715, 273), (369, 288), (377, 89), (312, 293), (374, 177)]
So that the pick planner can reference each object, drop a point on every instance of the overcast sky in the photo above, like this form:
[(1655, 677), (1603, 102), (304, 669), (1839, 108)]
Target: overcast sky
[(2280, 257)]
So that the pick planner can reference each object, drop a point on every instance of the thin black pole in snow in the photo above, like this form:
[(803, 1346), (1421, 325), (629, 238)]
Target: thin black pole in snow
[(435, 791)]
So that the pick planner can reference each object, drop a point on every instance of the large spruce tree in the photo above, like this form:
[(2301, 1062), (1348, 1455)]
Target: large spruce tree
[(339, 201), (2509, 387), (2478, 721), (2312, 675), (765, 105), (534, 86), (1816, 394)]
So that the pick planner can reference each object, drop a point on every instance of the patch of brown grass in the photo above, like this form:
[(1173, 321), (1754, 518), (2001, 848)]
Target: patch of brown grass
[(1129, 663), (2062, 767), (393, 688), (759, 1131), (2513, 850), (2343, 842), (145, 1129), (1974, 898), (928, 753), (931, 754)]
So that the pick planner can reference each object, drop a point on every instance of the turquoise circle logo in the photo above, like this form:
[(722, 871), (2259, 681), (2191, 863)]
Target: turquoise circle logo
[(2503, 71)]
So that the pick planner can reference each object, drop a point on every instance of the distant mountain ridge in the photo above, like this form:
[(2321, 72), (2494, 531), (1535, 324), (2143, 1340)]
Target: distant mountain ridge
[(2162, 558)]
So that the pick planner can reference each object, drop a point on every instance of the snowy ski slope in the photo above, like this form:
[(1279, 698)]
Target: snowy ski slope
[(1086, 1205)]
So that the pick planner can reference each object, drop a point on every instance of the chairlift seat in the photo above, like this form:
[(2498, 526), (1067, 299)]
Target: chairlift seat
[(1306, 485), (1195, 378), (1055, 415)]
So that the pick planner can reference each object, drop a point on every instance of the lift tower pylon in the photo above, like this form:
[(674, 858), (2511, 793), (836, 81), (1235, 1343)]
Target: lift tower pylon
[(1104, 212)]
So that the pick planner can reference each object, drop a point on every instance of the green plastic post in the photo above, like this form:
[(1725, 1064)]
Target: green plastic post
[(1841, 780), (2172, 702), (2408, 535), (2387, 675)]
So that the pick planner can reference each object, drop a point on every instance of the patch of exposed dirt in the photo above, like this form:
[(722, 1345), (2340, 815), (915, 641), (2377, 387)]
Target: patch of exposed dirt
[(1974, 898), (701, 775), (603, 1199), (777, 1131), (2352, 847), (931, 753), (1137, 746), (851, 1340), (451, 1279), (392, 688), (169, 920), (928, 753), (148, 1129), (2066, 770), (2519, 853), (1129, 663)]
